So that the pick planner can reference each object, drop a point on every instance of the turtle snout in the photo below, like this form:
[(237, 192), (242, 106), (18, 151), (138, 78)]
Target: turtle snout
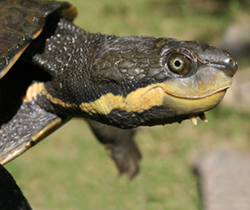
[(230, 64), (220, 59)]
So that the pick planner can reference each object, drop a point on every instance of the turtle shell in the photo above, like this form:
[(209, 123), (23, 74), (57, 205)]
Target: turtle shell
[(21, 21)]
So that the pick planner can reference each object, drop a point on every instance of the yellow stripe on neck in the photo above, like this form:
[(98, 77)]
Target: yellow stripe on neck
[(139, 100)]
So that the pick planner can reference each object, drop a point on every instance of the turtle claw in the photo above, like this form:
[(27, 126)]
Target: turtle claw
[(193, 120), (201, 116)]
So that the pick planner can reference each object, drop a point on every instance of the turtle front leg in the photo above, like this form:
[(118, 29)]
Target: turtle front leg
[(120, 146), (23, 123), (27, 127)]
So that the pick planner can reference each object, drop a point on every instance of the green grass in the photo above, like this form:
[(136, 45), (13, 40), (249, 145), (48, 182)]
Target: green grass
[(71, 170)]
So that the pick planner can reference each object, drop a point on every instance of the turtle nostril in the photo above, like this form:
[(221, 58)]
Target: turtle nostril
[(231, 62), (234, 64), (231, 65)]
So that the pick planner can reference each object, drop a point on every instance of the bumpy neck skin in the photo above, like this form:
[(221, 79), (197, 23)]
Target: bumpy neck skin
[(124, 81), (68, 58)]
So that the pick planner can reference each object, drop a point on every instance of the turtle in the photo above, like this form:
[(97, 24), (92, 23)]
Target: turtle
[(52, 71)]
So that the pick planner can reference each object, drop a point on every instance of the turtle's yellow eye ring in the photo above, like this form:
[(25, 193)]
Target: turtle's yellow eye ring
[(179, 64)]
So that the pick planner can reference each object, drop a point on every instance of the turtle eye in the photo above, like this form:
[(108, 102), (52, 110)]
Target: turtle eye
[(179, 64)]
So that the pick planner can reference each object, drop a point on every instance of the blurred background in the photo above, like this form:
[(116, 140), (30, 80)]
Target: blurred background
[(71, 170)]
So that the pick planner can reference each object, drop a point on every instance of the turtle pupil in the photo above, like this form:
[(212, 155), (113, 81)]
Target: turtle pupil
[(177, 63)]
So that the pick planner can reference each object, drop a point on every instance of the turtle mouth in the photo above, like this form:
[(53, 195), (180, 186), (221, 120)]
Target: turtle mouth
[(194, 106), (180, 104), (191, 105), (198, 97)]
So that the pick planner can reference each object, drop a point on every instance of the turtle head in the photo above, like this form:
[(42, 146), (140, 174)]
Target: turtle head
[(197, 76), (152, 80)]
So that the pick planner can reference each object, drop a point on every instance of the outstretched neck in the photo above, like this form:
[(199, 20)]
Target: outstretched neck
[(68, 57)]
